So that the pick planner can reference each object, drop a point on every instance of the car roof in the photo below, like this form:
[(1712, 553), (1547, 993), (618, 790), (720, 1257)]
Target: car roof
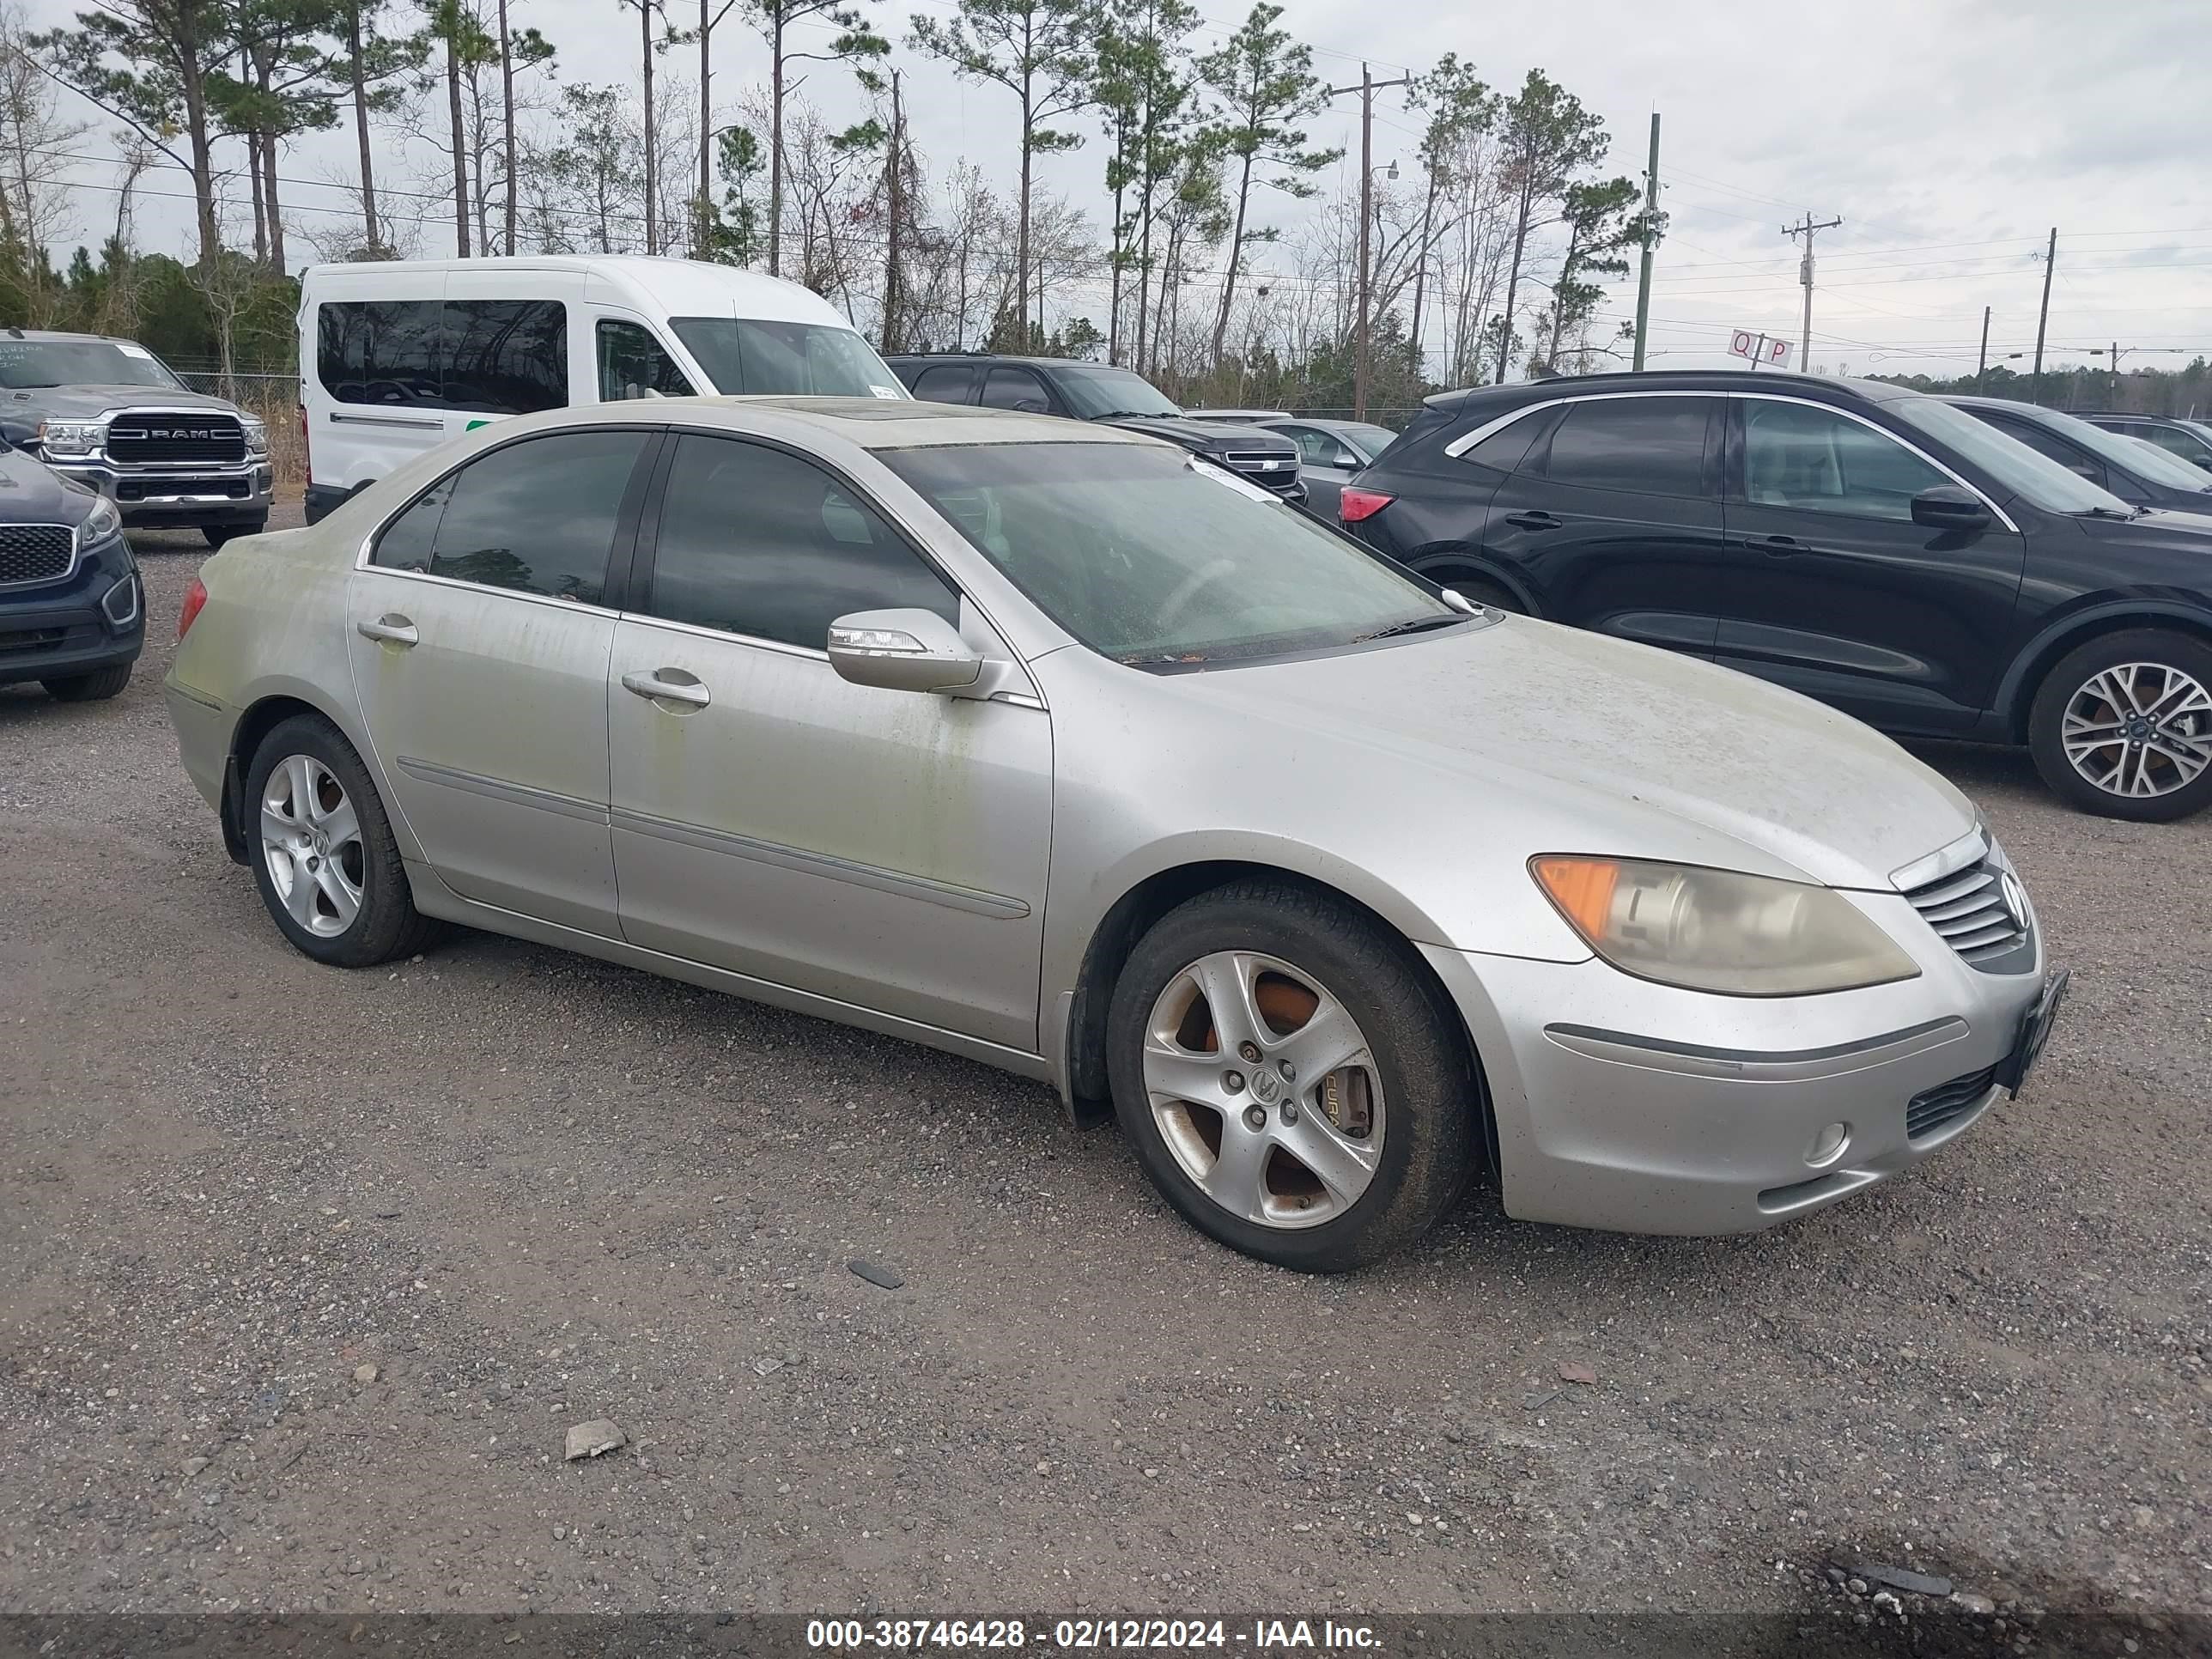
[(64, 334), (1827, 387), (678, 288), (866, 422), (995, 357)]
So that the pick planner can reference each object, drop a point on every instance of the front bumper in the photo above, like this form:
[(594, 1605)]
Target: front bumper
[(60, 632), (148, 497), (1640, 1108)]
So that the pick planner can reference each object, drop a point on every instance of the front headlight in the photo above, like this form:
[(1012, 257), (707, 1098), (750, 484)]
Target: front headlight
[(70, 437), (104, 520), (257, 435), (1715, 930)]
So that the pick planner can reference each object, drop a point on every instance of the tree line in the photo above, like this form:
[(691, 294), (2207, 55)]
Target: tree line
[(1489, 237)]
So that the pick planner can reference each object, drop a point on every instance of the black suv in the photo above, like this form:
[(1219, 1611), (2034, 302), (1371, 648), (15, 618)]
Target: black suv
[(1092, 392), (2145, 476), (1882, 551), (2176, 434), (72, 611)]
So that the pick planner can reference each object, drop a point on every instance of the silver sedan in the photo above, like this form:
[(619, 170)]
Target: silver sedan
[(1058, 748)]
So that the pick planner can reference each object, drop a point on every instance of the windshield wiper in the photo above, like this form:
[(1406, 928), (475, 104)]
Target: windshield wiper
[(1134, 415), (2112, 513), (1411, 625)]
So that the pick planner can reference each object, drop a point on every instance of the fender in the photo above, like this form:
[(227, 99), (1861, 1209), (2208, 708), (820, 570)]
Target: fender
[(1482, 564), (2051, 640)]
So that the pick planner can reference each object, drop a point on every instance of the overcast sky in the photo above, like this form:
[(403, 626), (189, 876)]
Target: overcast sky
[(1949, 134)]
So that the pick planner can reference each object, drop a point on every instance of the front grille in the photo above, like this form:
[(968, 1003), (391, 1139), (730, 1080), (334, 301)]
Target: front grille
[(35, 552), (139, 437), (1968, 908), (1272, 462), (139, 490), (1930, 1109)]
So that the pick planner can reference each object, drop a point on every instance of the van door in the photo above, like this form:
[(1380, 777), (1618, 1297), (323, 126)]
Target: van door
[(619, 354), (373, 385)]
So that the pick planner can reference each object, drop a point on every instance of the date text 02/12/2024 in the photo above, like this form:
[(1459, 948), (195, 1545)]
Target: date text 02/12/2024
[(1260, 1636)]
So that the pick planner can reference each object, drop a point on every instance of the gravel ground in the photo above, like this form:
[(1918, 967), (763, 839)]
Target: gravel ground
[(307, 1275)]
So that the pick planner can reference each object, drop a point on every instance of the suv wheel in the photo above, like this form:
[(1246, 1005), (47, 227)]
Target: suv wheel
[(2123, 726), (324, 858), (96, 687), (217, 534), (1291, 1082)]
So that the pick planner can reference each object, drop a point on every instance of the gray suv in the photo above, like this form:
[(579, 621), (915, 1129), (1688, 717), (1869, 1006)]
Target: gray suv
[(111, 416)]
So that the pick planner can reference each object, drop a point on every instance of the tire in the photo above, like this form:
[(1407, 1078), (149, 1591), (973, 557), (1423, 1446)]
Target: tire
[(2156, 669), (1482, 590), (96, 687), (217, 534), (1418, 1091), (351, 906)]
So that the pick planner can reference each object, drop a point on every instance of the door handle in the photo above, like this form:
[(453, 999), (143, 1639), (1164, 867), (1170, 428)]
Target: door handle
[(686, 690), (390, 628), (1780, 546), (1533, 520)]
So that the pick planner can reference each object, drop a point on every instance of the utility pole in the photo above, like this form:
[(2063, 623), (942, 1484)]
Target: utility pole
[(2043, 318), (1650, 219), (1807, 230), (892, 187), (1981, 363), (2116, 375), (1366, 89)]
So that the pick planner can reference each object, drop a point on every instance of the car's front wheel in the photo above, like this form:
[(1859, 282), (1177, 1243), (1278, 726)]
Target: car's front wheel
[(325, 860), (1293, 1083), (96, 687), (2123, 726)]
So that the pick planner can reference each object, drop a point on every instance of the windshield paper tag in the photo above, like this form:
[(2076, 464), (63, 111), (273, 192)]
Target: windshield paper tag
[(130, 350), (890, 392)]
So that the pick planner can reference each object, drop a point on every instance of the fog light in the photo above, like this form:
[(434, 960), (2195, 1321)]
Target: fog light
[(1828, 1146)]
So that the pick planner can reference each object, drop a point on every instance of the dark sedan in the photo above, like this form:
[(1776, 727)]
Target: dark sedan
[(1880, 550), (2111, 461), (72, 611)]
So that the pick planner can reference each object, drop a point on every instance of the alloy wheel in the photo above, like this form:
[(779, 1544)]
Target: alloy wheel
[(1264, 1089), (2139, 729), (311, 845)]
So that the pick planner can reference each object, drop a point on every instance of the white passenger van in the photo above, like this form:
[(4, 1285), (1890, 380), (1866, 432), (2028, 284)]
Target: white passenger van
[(396, 357)]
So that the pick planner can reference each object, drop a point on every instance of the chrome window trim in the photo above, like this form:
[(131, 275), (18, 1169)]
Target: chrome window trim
[(574, 606), (782, 648), (1467, 440), (76, 557), (1906, 444)]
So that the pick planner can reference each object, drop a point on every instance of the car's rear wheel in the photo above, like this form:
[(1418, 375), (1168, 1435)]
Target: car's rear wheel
[(324, 860), (1293, 1082), (2123, 726), (95, 687)]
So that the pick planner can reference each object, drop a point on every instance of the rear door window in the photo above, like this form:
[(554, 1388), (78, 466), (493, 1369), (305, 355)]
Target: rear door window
[(1013, 388), (1651, 445), (488, 356), (945, 383), (385, 353), (534, 517)]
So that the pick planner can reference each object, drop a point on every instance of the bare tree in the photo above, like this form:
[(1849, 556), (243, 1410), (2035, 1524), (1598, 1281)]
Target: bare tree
[(36, 140)]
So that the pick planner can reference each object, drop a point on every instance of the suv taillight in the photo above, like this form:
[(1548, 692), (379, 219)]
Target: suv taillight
[(1353, 505), (195, 597)]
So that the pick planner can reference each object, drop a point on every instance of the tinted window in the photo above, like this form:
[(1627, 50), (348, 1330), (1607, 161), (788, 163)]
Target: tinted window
[(1507, 447), (745, 355), (633, 364), (506, 356), (2046, 443), (755, 541), (406, 542), (1656, 446), (391, 351), (1009, 388), (945, 383), (2175, 442), (538, 516), (1798, 456)]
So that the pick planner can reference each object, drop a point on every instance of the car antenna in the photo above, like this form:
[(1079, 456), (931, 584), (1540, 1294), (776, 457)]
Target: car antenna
[(15, 333)]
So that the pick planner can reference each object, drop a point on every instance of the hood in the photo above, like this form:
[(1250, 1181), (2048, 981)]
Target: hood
[(1627, 749), (2161, 528), (1209, 435), (38, 403), (29, 494)]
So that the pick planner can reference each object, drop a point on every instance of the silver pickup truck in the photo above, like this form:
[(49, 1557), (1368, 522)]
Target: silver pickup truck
[(110, 414)]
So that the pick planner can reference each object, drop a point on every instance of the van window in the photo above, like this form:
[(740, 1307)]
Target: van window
[(633, 364), (492, 356), (742, 355)]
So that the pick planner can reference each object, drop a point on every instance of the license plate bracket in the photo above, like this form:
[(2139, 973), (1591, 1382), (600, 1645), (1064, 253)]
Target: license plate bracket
[(2034, 1032)]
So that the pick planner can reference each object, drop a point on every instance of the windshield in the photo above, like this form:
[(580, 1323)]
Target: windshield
[(1099, 394), (743, 356), (2121, 450), (29, 363), (1157, 559), (2011, 464), (1372, 439)]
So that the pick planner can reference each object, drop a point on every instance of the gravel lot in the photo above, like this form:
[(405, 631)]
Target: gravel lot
[(308, 1274)]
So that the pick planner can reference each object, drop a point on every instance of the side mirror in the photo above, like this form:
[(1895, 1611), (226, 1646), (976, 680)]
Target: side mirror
[(1946, 507), (1459, 601), (910, 650)]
